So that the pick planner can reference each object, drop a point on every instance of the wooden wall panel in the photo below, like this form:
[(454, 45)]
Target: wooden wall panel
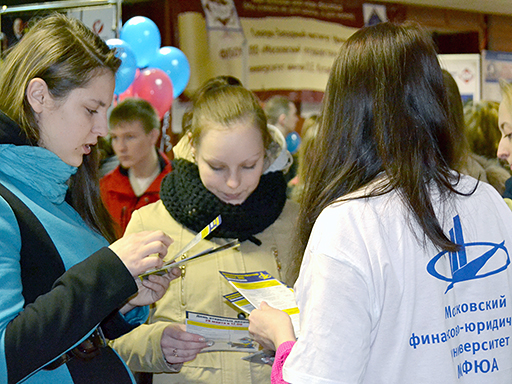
[(500, 33)]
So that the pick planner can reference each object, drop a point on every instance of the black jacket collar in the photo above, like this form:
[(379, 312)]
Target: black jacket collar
[(10, 132)]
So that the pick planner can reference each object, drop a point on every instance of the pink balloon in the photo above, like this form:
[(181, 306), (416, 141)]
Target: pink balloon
[(126, 94), (129, 91), (154, 86)]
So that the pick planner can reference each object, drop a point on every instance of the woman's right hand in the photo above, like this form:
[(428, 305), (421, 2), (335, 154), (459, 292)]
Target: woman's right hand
[(179, 346), (270, 327), (135, 250)]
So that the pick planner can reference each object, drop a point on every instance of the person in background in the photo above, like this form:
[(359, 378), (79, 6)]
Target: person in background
[(108, 158), (481, 118), (310, 122), (394, 245), (64, 288), (228, 163), (306, 152), (474, 164), (281, 112), (483, 135), (134, 133), (504, 152)]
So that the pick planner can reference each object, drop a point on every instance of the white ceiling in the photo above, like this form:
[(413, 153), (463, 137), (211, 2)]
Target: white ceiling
[(503, 7)]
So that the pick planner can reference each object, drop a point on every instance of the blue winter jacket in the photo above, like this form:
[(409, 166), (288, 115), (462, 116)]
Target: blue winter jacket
[(93, 287)]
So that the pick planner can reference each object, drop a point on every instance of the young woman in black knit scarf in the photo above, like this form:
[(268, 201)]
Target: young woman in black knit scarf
[(228, 163)]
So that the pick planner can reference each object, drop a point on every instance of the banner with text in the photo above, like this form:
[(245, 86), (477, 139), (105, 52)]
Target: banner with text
[(268, 44)]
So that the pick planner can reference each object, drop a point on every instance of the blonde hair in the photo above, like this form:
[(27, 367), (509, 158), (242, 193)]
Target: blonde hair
[(310, 122), (223, 100), (506, 90), (307, 154), (482, 131)]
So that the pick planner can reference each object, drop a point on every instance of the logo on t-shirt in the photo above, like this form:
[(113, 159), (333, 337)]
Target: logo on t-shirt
[(473, 261)]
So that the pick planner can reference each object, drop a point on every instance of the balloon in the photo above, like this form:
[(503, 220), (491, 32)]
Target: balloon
[(126, 72), (129, 91), (293, 142), (143, 36), (154, 86), (126, 94), (173, 62)]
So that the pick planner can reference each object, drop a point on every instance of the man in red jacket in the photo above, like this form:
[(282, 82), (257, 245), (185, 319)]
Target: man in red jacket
[(134, 130)]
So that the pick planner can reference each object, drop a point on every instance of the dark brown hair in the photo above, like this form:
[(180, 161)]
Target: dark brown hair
[(385, 111), (133, 109), (66, 55)]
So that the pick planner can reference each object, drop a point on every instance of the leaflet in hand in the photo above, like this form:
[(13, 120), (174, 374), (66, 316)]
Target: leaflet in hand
[(228, 334), (239, 301), (261, 286), (200, 236)]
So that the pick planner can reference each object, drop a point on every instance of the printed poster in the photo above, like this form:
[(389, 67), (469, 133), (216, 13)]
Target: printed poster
[(495, 66), (267, 44), (465, 69)]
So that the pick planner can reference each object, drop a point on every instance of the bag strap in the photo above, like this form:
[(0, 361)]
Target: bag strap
[(41, 264)]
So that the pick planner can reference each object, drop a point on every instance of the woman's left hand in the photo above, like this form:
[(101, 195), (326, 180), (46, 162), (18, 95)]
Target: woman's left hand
[(151, 289), (270, 327)]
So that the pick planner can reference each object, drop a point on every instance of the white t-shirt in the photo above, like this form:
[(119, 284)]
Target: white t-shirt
[(379, 304)]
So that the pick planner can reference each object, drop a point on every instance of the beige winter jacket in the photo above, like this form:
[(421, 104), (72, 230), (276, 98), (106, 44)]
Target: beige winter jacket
[(486, 170), (201, 289)]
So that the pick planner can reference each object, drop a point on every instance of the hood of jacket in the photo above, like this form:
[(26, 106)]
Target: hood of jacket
[(10, 132)]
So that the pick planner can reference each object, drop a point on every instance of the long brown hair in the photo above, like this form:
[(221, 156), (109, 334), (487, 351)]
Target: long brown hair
[(385, 111), (66, 55)]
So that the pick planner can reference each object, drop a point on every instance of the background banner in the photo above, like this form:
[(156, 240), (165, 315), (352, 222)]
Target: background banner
[(268, 44)]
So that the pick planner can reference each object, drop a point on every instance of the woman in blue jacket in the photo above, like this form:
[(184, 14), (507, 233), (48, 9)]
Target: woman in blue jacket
[(64, 289)]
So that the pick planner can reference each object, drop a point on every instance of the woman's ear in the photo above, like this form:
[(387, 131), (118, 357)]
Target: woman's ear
[(37, 94)]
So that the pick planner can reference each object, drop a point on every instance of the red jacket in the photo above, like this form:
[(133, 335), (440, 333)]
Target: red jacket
[(118, 195)]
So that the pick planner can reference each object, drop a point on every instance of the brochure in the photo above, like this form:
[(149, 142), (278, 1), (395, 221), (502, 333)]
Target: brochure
[(239, 301), (261, 286), (169, 264), (229, 334)]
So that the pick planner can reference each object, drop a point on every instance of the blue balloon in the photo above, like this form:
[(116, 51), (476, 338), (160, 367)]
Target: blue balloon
[(293, 142), (175, 64), (143, 36), (126, 72)]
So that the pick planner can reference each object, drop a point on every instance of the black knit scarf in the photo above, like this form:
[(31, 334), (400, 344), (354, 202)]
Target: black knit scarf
[(193, 206)]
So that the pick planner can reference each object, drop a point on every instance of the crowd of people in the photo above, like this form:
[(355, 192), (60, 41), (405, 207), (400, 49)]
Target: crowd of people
[(396, 243)]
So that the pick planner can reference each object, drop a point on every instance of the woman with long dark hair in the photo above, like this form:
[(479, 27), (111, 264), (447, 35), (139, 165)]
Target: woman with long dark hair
[(405, 269)]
